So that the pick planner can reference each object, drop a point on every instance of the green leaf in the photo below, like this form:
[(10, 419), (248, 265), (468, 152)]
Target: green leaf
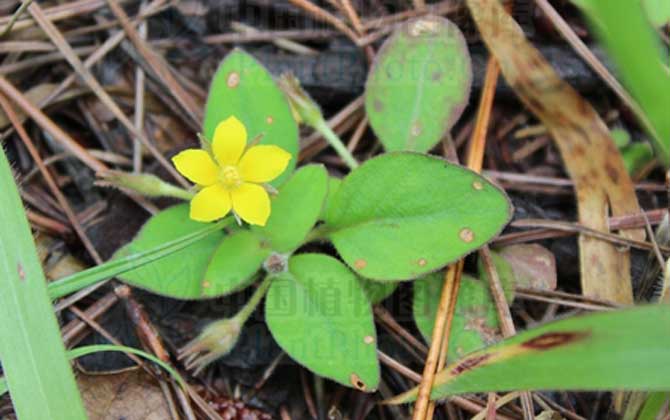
[(641, 61), (38, 374), (109, 269), (636, 156), (319, 315), (658, 12), (333, 185), (295, 209), (243, 87), (377, 291), (233, 264), (475, 322), (182, 274), (401, 215), (617, 350), (653, 406), (419, 84)]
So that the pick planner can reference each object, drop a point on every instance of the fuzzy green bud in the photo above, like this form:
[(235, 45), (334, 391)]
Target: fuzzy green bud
[(145, 184), (216, 340), (303, 106)]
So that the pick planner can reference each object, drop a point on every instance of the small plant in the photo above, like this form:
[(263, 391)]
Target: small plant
[(396, 217)]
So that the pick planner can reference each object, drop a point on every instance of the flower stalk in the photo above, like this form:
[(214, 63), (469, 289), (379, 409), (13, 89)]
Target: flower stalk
[(219, 337), (308, 112)]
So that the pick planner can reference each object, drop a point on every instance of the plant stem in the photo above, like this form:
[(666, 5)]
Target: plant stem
[(251, 305), (322, 127)]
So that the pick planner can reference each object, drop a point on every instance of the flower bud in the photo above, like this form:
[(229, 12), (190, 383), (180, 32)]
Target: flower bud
[(216, 340), (145, 184), (302, 105)]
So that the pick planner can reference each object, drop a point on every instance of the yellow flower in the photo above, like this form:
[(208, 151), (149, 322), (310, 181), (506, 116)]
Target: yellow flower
[(232, 179)]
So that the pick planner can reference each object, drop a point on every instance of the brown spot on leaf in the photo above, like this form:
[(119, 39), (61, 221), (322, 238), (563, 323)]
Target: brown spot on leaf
[(469, 363), (466, 235), (368, 339), (21, 271), (269, 119), (233, 80), (356, 382), (416, 129), (206, 284), (360, 264), (423, 26), (378, 105), (477, 185), (422, 262), (437, 75), (551, 340)]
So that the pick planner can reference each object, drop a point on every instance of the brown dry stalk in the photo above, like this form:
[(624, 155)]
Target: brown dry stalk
[(47, 125), (51, 183), (424, 408), (57, 38), (158, 65), (442, 320), (353, 16), (589, 154), (322, 14)]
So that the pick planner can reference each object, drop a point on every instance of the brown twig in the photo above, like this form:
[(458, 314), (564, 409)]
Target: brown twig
[(322, 14), (157, 64), (92, 82), (55, 190)]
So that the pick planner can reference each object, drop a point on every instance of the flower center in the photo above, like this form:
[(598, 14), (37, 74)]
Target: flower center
[(230, 177)]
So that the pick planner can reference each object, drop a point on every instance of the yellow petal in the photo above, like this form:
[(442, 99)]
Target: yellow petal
[(211, 203), (197, 166), (263, 163), (252, 203), (230, 139)]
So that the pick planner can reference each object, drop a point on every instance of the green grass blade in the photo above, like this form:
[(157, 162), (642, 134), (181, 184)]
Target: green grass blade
[(641, 61), (85, 350), (113, 268), (653, 406), (626, 349), (37, 371)]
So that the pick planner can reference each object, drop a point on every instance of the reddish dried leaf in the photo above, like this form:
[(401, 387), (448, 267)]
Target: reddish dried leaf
[(534, 266)]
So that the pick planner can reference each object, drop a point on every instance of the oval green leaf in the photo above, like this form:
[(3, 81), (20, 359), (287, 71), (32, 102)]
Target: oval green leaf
[(618, 350), (295, 209), (233, 265), (244, 88), (377, 291), (475, 322), (419, 84), (319, 315), (181, 274), (401, 215)]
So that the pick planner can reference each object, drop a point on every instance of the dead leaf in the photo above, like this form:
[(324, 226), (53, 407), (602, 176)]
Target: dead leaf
[(131, 395), (590, 156), (534, 266)]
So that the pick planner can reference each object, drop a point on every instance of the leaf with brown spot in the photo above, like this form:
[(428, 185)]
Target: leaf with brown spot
[(590, 156), (625, 349)]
